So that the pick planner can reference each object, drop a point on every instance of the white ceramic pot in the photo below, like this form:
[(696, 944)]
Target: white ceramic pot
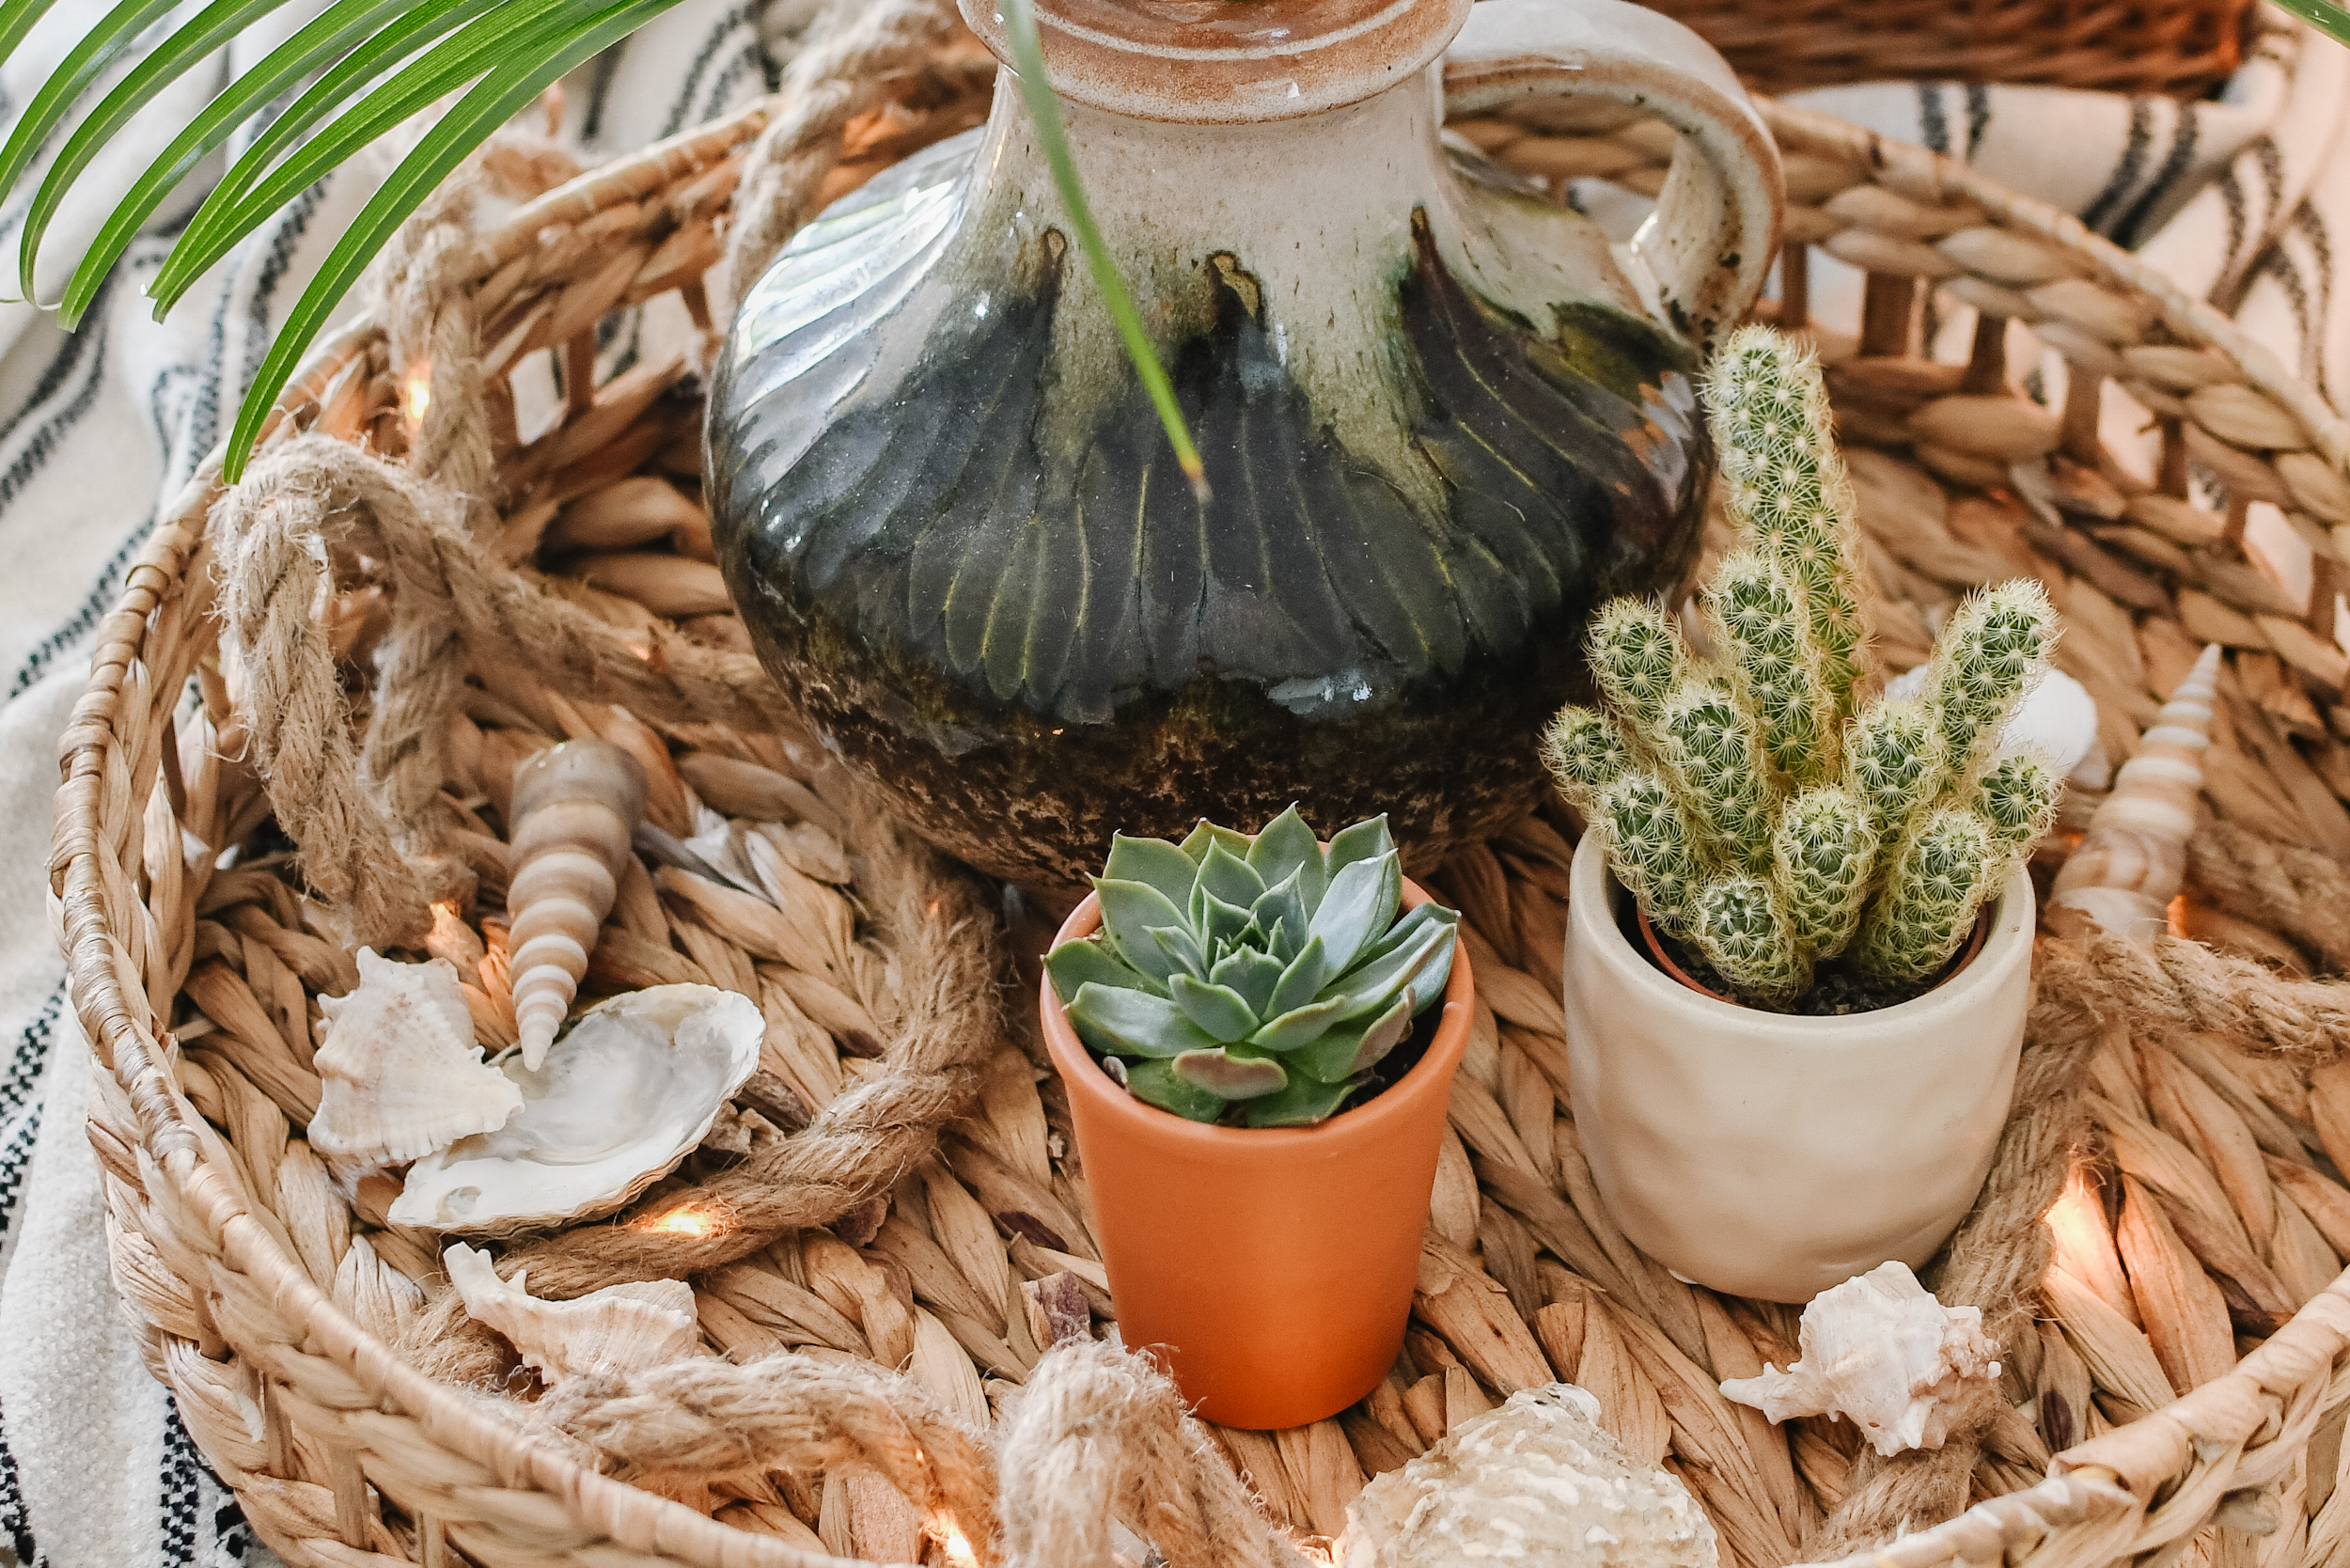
[(1774, 1157)]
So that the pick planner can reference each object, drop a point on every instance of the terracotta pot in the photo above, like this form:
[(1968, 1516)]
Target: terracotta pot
[(1270, 1269), (1774, 1157)]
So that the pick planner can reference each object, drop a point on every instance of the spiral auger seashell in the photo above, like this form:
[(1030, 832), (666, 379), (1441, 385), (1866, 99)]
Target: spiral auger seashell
[(2131, 861), (575, 808)]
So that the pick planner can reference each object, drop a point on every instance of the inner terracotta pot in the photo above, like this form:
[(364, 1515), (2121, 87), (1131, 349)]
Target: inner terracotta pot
[(1269, 1269), (1665, 962)]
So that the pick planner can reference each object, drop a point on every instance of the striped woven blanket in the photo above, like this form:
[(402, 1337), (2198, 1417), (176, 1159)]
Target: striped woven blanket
[(2240, 198)]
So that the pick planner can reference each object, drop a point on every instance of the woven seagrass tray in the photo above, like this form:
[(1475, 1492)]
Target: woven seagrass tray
[(898, 1203), (2184, 48)]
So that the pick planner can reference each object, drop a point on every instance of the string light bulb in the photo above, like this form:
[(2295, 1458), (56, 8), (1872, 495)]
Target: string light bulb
[(687, 1219)]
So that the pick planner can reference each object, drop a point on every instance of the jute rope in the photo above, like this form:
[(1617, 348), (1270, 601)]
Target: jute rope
[(274, 535), (694, 1426), (2180, 986), (1997, 1258), (860, 46), (1099, 1434), (2303, 893)]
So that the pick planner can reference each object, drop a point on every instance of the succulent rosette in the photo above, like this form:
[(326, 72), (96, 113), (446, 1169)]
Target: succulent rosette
[(1260, 980)]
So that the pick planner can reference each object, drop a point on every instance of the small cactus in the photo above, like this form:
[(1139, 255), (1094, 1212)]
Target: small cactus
[(2018, 798), (1757, 808), (1889, 754), (1821, 857), (1654, 854), (1744, 929), (1789, 493), (1709, 745), (1994, 648), (1586, 753), (1636, 658), (1757, 621), (1938, 881)]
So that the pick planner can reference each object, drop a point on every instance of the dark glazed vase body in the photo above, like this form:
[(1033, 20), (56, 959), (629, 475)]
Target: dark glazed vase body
[(1439, 425)]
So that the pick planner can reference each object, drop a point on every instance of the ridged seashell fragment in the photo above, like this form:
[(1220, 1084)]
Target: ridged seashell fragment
[(1882, 1352), (1537, 1483), (625, 1096), (619, 1329), (574, 808), (2131, 861), (399, 1074)]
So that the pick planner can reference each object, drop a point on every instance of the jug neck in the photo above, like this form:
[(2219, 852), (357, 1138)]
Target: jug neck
[(1228, 62)]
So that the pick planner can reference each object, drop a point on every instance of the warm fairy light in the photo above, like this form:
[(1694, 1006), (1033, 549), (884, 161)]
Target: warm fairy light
[(2178, 916), (951, 1540), (690, 1219), (2073, 1221), (447, 922), (417, 393)]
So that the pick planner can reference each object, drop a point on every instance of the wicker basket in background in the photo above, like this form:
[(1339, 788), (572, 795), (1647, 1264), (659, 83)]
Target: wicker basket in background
[(268, 1306), (2184, 48)]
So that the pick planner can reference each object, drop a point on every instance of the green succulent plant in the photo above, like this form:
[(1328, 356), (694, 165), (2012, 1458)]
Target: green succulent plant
[(1262, 979), (1756, 808)]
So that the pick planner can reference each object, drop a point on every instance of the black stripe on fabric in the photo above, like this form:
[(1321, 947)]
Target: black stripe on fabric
[(1934, 125), (32, 1054), (2272, 162), (2231, 196), (747, 60), (2133, 163), (57, 644), (682, 105), (2182, 140), (2310, 223), (175, 1494), (204, 424), (1978, 117), (607, 65), (16, 1158), (15, 1530)]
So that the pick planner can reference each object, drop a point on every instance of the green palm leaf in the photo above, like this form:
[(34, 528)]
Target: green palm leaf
[(83, 65), (226, 216), (2322, 14), (536, 55), (328, 37)]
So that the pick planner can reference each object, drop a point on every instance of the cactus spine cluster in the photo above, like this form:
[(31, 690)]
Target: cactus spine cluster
[(1755, 805)]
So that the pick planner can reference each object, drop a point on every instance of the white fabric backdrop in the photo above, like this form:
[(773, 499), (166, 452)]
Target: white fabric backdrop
[(2238, 197)]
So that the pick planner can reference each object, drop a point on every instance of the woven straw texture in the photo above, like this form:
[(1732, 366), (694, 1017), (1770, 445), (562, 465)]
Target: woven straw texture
[(893, 1218), (2182, 47)]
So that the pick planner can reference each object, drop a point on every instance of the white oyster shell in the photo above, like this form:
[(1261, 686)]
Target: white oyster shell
[(399, 1074), (1537, 1483), (1881, 1350), (619, 1329), (623, 1097)]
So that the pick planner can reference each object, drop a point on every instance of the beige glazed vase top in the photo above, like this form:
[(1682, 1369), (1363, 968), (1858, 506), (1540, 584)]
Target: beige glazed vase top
[(1775, 1156), (1441, 419)]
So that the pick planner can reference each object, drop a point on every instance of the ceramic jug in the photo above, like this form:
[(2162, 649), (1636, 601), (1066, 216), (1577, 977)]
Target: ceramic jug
[(1441, 420)]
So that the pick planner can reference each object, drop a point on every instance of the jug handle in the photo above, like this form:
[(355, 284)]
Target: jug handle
[(1715, 232)]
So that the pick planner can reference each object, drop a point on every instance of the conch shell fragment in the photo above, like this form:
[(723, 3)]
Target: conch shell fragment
[(625, 1096), (1537, 1483), (619, 1329), (1879, 1350), (2131, 861), (399, 1074), (576, 807)]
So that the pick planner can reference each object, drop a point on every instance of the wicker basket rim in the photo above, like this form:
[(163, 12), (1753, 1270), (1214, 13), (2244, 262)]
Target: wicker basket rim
[(174, 562)]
